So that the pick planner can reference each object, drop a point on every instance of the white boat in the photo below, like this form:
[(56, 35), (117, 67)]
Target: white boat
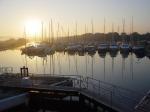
[(138, 48), (102, 47), (113, 47), (124, 47)]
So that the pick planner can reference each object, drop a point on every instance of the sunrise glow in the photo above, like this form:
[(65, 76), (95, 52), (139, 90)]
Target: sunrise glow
[(32, 26)]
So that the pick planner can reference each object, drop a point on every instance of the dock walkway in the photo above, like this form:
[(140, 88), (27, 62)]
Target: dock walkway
[(108, 96)]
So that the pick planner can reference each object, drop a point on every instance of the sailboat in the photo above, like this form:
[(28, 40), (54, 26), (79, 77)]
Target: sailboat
[(103, 47), (113, 46), (37, 49), (138, 47), (124, 47), (90, 48)]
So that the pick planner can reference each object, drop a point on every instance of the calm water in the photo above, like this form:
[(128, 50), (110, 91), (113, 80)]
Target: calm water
[(130, 72)]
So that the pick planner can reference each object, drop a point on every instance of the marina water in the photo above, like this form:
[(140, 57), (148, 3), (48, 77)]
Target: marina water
[(130, 72)]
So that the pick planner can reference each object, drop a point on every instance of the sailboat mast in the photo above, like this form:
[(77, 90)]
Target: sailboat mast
[(112, 32), (25, 37), (118, 30), (104, 25), (104, 30), (123, 29), (45, 35), (68, 35), (92, 26), (76, 32), (57, 31), (42, 30), (51, 31), (132, 31), (123, 25), (132, 24), (85, 34)]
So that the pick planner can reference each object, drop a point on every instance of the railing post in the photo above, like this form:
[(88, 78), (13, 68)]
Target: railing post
[(87, 82), (80, 82)]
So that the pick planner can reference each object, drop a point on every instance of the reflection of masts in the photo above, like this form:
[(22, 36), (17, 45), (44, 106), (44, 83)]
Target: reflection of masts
[(92, 65), (69, 62), (131, 65), (112, 65), (104, 69), (53, 64), (86, 64), (59, 64), (123, 67), (76, 64), (50, 64), (44, 66)]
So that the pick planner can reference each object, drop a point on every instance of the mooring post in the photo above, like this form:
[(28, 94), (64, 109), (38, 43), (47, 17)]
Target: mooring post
[(24, 72)]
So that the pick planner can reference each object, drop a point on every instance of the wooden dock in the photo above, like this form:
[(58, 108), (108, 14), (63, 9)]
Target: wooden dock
[(105, 99)]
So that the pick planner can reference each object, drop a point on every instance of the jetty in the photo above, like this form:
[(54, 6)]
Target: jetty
[(70, 93)]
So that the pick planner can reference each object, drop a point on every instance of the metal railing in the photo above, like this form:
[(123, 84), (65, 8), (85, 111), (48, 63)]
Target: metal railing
[(6, 69), (116, 96)]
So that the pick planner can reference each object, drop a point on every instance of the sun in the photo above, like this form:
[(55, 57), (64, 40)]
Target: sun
[(32, 26)]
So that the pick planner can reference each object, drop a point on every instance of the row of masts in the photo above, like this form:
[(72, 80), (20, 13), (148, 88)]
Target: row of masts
[(60, 30)]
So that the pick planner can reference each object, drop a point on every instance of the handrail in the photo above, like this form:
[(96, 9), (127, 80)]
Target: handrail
[(110, 91), (102, 82)]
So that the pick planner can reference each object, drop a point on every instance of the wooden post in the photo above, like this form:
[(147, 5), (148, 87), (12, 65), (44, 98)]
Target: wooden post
[(24, 72)]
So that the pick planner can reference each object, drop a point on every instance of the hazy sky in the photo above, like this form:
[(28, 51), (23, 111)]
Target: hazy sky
[(14, 13)]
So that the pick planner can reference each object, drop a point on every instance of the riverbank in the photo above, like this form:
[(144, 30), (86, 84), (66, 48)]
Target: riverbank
[(11, 44)]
